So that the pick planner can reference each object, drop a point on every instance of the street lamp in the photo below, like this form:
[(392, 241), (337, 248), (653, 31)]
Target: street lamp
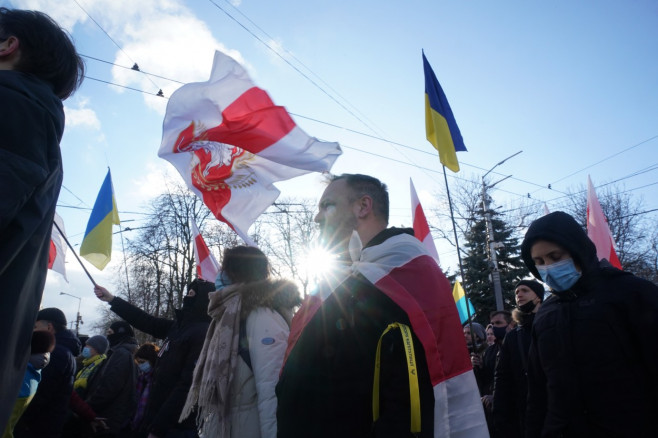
[(491, 242), (78, 319)]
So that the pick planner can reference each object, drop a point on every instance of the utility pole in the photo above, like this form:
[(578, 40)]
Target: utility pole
[(78, 319), (492, 245)]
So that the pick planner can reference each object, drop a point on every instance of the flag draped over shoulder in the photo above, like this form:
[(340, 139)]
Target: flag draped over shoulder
[(401, 268), (230, 143), (206, 265), (598, 229), (440, 124), (421, 227), (459, 296), (97, 244), (57, 254)]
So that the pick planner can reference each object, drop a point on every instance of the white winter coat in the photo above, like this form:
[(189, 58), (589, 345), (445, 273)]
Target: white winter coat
[(253, 412)]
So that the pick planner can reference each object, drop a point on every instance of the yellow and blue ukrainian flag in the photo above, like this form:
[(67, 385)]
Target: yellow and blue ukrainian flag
[(440, 125), (461, 300), (97, 244)]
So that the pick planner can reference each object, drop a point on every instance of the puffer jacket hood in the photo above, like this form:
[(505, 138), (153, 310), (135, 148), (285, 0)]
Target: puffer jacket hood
[(560, 228)]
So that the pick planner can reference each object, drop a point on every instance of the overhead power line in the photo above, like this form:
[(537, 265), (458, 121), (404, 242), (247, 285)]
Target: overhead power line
[(135, 66)]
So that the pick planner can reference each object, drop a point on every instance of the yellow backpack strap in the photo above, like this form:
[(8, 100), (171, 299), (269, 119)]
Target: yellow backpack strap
[(414, 394)]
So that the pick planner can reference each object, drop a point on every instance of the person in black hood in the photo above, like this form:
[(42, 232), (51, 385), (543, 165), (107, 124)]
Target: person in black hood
[(39, 67), (183, 340), (45, 416), (510, 381), (593, 360)]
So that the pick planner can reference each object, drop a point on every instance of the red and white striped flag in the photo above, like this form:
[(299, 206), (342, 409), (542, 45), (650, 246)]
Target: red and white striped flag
[(230, 143), (598, 229), (57, 254), (421, 227), (207, 267)]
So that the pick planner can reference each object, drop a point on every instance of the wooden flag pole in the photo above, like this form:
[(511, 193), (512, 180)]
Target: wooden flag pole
[(74, 253)]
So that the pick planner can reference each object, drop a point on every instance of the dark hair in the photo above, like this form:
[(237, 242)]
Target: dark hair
[(244, 264), (46, 49), (367, 185), (148, 352), (506, 314)]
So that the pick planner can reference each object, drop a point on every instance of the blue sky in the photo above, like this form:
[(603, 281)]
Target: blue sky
[(569, 83)]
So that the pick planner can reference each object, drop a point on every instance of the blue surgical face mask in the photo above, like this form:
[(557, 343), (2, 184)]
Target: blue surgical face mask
[(144, 367), (86, 353), (222, 280), (560, 276)]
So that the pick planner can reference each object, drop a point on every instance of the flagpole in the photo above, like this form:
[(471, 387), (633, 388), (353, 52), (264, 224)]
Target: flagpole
[(461, 268), (125, 262), (74, 253)]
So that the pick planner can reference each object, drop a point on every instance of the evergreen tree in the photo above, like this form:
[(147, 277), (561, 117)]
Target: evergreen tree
[(478, 267)]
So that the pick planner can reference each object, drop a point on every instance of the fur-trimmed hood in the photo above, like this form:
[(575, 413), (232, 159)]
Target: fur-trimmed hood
[(280, 295)]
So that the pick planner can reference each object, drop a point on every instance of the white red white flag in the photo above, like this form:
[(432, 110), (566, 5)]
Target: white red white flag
[(230, 143), (421, 227), (207, 267), (393, 267), (598, 229), (57, 254)]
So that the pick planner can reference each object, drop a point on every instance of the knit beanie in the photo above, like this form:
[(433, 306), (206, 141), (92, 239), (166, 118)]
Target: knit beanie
[(122, 328), (536, 287), (52, 314), (99, 343)]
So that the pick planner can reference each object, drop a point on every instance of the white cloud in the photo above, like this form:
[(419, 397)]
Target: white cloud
[(154, 181), (64, 13), (82, 116)]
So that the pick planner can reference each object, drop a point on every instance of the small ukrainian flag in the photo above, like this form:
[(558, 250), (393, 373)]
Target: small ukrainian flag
[(97, 244), (461, 300)]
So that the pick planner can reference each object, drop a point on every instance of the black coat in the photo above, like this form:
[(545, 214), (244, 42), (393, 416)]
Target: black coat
[(31, 127), (325, 388), (46, 414), (111, 392), (511, 381), (593, 360), (174, 368)]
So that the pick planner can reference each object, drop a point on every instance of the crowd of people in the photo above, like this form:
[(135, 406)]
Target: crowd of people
[(363, 356)]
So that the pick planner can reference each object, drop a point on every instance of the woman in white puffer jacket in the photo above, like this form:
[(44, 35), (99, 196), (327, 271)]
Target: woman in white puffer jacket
[(239, 365)]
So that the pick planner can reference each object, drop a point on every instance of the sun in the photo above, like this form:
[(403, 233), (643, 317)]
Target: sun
[(317, 263)]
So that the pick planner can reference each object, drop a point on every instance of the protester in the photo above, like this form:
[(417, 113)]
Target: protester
[(112, 395), (39, 67), (251, 314), (501, 323), (84, 421), (43, 343), (45, 416), (183, 339), (93, 355), (491, 338), (510, 377), (146, 357), (326, 385), (480, 336), (593, 360)]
